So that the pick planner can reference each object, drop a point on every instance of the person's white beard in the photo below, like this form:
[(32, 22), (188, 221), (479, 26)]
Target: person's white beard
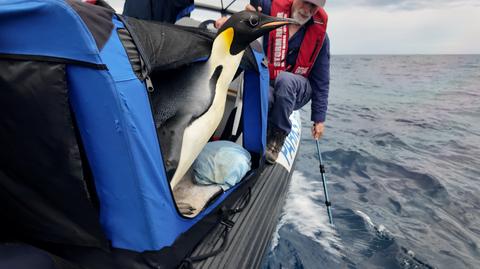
[(297, 15)]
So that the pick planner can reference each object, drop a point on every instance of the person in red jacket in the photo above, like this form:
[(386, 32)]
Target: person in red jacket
[(299, 65)]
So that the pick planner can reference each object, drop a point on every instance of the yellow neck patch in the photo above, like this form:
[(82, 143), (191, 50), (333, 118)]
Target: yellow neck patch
[(227, 37)]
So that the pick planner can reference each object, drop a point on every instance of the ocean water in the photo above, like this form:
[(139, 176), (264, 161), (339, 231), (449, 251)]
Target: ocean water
[(402, 153)]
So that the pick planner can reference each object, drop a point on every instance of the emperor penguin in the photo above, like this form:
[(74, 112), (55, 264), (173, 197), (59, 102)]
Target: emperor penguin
[(189, 102)]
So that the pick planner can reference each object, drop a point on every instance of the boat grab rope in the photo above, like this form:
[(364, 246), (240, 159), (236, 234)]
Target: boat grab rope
[(228, 223)]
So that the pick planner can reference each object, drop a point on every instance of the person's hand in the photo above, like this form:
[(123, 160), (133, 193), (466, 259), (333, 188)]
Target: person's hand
[(251, 8), (317, 130), (220, 22)]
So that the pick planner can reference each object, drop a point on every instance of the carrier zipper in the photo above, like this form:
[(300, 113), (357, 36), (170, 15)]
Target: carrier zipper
[(149, 84)]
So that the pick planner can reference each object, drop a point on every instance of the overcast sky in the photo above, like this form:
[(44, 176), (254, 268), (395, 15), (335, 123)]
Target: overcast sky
[(396, 26)]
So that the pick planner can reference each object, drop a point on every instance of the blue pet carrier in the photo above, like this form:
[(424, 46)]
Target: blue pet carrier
[(77, 124)]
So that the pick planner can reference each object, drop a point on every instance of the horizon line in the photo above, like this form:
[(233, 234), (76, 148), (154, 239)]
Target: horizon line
[(406, 54)]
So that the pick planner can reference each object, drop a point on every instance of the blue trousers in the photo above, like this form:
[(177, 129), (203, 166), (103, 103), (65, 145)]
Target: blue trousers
[(289, 92)]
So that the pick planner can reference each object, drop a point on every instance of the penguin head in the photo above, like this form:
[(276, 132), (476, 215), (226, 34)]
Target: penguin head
[(246, 26)]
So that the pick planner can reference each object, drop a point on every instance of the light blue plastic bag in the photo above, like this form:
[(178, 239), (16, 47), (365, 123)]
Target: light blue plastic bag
[(221, 162)]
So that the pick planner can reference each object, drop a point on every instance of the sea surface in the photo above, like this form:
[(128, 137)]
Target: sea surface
[(402, 153)]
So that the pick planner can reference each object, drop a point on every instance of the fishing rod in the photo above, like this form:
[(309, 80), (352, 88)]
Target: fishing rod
[(324, 181)]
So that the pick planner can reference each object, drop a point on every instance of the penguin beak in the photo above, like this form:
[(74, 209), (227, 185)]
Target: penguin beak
[(269, 23)]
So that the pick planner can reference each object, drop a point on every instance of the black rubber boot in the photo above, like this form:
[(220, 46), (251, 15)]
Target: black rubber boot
[(275, 140)]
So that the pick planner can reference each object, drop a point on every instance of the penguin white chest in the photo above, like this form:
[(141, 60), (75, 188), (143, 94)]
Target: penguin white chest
[(198, 133)]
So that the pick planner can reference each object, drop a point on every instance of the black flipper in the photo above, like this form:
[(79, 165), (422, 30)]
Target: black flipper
[(171, 138), (171, 131)]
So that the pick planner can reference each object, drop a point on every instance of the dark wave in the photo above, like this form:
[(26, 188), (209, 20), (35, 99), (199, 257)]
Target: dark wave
[(363, 246), (389, 139), (347, 163), (418, 123)]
